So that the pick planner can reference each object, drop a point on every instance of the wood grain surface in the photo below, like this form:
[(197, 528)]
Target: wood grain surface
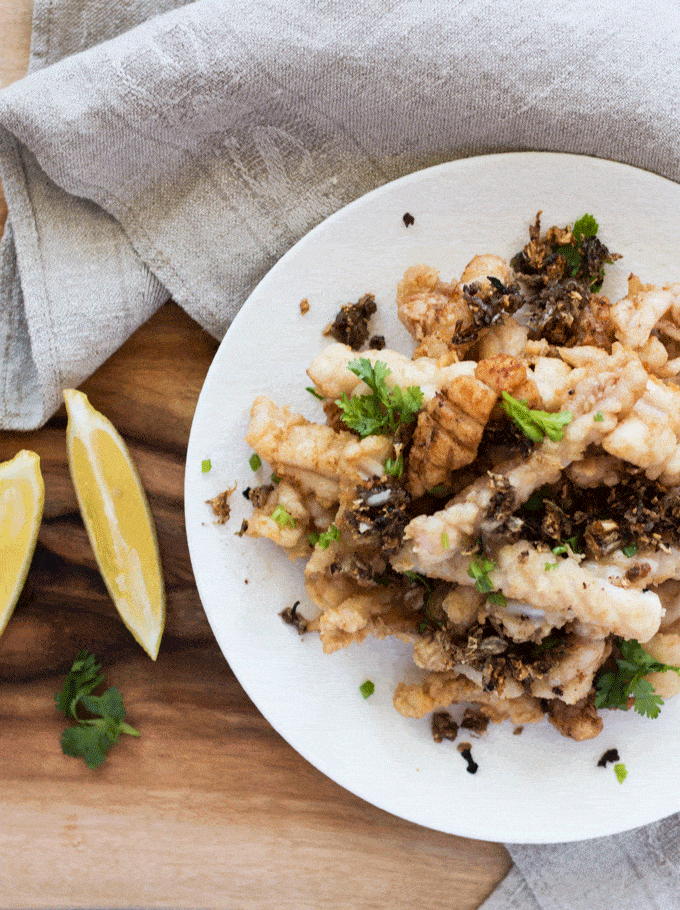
[(209, 807)]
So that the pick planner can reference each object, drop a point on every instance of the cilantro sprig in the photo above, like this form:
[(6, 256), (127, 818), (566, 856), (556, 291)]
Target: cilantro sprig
[(479, 569), (383, 410), (534, 423), (615, 688), (324, 539), (91, 737)]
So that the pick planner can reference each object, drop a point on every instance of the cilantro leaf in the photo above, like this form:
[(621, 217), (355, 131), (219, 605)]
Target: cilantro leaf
[(283, 518), (615, 688), (479, 569), (534, 423), (83, 678), (323, 540), (384, 409), (621, 772), (585, 227), (395, 466), (367, 688), (90, 738)]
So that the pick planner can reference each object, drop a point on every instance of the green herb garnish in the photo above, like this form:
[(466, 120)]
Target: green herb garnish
[(614, 688), (395, 466), (275, 479), (497, 598), (313, 391), (551, 565), (585, 228), (323, 540), (445, 541), (599, 417), (385, 409), (92, 737), (563, 548), (206, 465), (479, 569), (367, 689), (533, 423), (630, 550), (255, 461), (621, 772), (283, 518)]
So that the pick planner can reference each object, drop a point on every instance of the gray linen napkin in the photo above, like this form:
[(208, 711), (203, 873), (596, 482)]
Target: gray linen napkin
[(187, 154)]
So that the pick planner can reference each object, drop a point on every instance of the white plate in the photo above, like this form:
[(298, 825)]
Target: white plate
[(537, 787)]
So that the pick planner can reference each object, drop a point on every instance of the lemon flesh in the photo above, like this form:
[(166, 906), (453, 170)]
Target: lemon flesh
[(22, 498), (118, 520)]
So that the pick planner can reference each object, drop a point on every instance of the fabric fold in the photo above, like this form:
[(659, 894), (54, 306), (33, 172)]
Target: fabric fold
[(219, 133)]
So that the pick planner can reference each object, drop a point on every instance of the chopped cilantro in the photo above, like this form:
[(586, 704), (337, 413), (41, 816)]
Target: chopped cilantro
[(384, 409), (395, 466), (206, 465), (313, 391), (91, 738), (323, 540), (275, 478), (497, 598), (571, 543), (283, 518), (479, 569), (551, 565), (445, 540), (630, 550), (367, 688), (255, 461), (599, 417), (614, 688), (534, 423), (585, 227), (621, 772)]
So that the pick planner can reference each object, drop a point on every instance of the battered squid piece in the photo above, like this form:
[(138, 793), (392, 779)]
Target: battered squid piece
[(442, 317), (607, 391), (645, 308), (441, 690), (586, 591), (315, 457), (580, 721), (331, 376), (448, 433)]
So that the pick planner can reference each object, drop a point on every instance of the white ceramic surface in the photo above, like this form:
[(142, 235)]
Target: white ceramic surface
[(536, 787)]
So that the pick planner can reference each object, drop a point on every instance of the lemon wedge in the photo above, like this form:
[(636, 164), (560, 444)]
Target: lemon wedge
[(118, 520), (22, 497)]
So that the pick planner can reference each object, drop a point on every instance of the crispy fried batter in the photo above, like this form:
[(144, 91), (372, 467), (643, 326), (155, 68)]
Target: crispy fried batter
[(448, 433), (504, 373), (580, 721)]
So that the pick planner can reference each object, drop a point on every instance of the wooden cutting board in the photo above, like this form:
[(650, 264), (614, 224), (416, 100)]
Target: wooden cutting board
[(209, 807)]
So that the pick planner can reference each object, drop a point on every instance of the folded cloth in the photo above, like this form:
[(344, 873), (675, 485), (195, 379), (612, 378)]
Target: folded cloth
[(187, 154), (146, 155)]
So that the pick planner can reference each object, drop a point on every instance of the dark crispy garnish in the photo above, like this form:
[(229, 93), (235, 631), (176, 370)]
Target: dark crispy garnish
[(611, 755), (408, 219), (220, 505), (443, 727), (632, 514), (474, 721), (259, 495), (465, 750), (377, 343), (291, 616), (488, 304), (350, 326), (562, 273), (379, 514)]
